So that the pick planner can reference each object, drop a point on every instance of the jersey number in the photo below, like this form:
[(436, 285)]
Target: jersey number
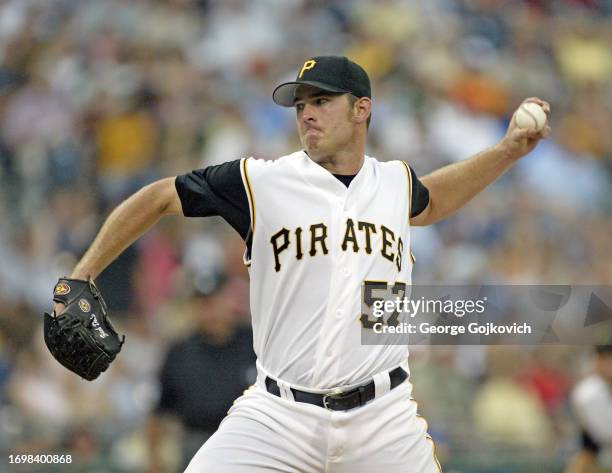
[(374, 291)]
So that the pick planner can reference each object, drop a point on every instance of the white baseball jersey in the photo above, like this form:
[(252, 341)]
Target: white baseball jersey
[(314, 244)]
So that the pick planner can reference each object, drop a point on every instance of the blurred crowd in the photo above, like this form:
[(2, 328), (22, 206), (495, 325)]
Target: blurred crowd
[(98, 98)]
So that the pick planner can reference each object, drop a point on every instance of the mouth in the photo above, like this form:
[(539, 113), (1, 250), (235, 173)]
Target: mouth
[(311, 131)]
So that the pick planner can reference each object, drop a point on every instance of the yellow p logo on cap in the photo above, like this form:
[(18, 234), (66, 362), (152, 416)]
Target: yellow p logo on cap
[(307, 66)]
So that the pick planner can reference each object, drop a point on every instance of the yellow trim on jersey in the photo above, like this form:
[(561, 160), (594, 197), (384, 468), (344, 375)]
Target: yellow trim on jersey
[(409, 175), (249, 194), (247, 184), (435, 457)]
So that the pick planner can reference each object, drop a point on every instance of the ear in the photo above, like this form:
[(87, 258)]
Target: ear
[(362, 108)]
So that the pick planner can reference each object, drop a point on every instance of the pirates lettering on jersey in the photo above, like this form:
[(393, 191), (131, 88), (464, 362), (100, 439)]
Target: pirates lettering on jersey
[(390, 247)]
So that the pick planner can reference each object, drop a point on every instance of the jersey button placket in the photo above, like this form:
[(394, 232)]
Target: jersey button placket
[(329, 363), (343, 271)]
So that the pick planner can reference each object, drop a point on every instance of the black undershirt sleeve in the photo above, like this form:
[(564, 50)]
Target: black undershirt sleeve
[(216, 191), (420, 195)]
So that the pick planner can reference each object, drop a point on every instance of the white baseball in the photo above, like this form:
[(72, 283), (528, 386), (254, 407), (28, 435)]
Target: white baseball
[(530, 115)]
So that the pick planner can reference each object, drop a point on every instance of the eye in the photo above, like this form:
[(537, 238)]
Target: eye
[(299, 106), (322, 100)]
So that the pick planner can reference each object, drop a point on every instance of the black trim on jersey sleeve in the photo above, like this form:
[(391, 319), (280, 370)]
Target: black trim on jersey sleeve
[(216, 190), (420, 195)]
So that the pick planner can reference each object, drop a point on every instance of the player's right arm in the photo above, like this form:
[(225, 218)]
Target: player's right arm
[(215, 190), (129, 221)]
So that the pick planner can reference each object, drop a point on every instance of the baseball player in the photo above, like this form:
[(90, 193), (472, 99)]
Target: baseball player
[(318, 224), (592, 404)]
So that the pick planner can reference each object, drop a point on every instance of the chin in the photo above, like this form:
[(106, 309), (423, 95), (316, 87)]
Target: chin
[(313, 145), (313, 151)]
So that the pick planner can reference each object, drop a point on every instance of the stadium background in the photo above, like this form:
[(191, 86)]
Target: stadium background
[(100, 97)]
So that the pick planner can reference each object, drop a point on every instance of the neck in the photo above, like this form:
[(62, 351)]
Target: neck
[(342, 164)]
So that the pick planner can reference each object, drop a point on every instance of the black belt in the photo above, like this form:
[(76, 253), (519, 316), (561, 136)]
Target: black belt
[(342, 401)]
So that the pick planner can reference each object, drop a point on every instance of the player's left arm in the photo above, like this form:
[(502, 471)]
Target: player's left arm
[(452, 186)]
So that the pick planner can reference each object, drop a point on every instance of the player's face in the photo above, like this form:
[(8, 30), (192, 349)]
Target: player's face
[(323, 121)]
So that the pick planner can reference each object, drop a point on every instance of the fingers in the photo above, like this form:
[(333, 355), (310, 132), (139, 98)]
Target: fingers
[(542, 103), (530, 134), (535, 134), (544, 132), (525, 134), (58, 308)]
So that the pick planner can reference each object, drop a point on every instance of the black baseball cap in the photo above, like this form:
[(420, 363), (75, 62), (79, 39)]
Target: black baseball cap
[(331, 73)]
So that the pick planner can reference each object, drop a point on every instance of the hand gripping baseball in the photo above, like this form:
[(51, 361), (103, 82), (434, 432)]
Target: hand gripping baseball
[(521, 139), (81, 338)]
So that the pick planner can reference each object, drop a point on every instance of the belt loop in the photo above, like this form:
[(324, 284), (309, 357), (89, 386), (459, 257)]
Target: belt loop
[(362, 397), (261, 380), (382, 383), (285, 390)]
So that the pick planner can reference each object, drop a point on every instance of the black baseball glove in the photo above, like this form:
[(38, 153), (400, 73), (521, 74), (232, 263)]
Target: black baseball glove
[(81, 338)]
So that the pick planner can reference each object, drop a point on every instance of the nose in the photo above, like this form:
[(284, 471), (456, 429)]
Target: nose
[(308, 113)]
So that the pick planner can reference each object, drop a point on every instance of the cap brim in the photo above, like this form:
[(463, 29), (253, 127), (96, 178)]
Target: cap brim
[(284, 94)]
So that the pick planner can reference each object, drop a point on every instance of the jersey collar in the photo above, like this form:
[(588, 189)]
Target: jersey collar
[(320, 177)]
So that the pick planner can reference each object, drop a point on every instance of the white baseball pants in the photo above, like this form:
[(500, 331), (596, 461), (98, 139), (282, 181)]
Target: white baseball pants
[(264, 433)]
